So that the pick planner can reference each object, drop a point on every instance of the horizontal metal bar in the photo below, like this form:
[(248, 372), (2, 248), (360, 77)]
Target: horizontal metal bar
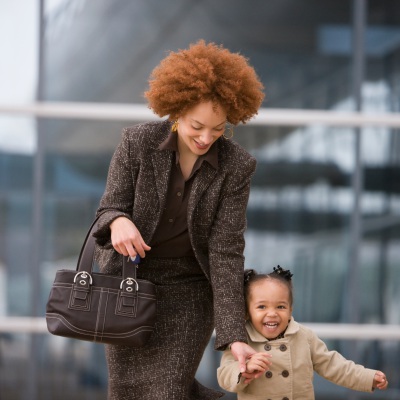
[(296, 117), (95, 111), (356, 331), (331, 331), (140, 112), (23, 325)]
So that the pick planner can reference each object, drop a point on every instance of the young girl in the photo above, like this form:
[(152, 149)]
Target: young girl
[(287, 353)]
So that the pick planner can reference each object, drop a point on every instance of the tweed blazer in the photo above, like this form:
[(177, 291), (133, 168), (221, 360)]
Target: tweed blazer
[(136, 188), (294, 360)]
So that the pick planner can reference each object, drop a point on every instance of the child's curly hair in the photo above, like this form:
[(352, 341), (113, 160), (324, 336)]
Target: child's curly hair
[(205, 72), (279, 274)]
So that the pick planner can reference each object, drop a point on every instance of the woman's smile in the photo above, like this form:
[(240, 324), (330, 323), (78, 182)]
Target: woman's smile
[(201, 145)]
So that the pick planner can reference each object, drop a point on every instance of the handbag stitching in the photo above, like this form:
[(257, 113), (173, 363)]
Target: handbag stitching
[(65, 322), (119, 308), (68, 286), (105, 313), (98, 313), (73, 306)]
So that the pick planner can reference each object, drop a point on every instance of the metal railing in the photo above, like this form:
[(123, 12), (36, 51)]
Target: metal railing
[(329, 331), (140, 112)]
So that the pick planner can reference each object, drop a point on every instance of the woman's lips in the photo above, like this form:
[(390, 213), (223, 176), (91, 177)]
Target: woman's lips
[(201, 146)]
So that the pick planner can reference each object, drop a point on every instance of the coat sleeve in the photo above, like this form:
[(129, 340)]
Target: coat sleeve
[(334, 367), (226, 246), (228, 374), (118, 196)]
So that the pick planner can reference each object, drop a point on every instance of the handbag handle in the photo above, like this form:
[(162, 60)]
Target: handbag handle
[(86, 256)]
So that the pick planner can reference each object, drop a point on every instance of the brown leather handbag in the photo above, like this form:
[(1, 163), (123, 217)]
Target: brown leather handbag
[(98, 307)]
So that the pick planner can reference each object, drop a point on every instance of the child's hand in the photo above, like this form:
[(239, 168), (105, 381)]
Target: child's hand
[(380, 381), (258, 362)]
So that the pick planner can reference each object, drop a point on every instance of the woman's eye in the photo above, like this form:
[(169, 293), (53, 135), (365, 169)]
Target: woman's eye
[(197, 128)]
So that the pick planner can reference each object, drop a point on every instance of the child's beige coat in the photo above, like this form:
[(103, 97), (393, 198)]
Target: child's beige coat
[(294, 360)]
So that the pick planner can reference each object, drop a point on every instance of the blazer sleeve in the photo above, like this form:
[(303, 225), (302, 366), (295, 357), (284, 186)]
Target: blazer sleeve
[(118, 196), (226, 247)]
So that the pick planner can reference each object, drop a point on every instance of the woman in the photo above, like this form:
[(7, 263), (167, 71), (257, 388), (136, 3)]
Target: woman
[(176, 194)]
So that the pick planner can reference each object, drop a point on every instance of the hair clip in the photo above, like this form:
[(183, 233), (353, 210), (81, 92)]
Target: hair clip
[(248, 274), (283, 272)]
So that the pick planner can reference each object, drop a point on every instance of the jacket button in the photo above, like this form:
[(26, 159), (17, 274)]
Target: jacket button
[(268, 374), (282, 347), (267, 347), (285, 373)]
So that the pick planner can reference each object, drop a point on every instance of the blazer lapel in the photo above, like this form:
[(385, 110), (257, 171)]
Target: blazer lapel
[(162, 164), (202, 180)]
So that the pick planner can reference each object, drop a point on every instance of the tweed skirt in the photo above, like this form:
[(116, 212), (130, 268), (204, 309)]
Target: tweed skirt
[(165, 368)]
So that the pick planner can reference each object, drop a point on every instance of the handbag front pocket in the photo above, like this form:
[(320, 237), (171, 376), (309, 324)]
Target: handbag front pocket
[(104, 312)]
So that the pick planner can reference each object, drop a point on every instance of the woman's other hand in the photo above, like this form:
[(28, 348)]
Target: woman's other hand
[(126, 238), (242, 352)]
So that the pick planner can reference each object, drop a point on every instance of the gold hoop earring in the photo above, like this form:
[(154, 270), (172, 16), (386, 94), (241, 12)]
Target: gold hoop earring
[(175, 125), (230, 133)]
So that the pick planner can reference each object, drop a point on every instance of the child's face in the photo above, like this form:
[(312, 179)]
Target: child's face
[(269, 307)]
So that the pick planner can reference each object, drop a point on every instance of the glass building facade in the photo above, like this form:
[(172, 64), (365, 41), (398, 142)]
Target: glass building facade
[(325, 200)]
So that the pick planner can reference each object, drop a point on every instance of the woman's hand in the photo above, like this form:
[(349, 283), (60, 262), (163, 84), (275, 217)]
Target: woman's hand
[(242, 352), (380, 381), (126, 238)]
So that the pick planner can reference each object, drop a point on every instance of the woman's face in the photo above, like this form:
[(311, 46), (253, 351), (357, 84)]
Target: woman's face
[(269, 307), (200, 127)]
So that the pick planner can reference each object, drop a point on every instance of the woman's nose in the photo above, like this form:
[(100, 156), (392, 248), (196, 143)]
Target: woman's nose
[(206, 137)]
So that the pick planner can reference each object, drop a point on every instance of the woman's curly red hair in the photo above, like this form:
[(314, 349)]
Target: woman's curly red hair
[(205, 72)]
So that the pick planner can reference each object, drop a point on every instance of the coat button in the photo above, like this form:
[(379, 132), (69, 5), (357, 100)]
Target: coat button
[(285, 373), (282, 347), (285, 398), (268, 374), (267, 347)]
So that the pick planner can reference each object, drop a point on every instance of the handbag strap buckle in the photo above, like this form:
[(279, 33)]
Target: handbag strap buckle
[(83, 275), (129, 284)]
